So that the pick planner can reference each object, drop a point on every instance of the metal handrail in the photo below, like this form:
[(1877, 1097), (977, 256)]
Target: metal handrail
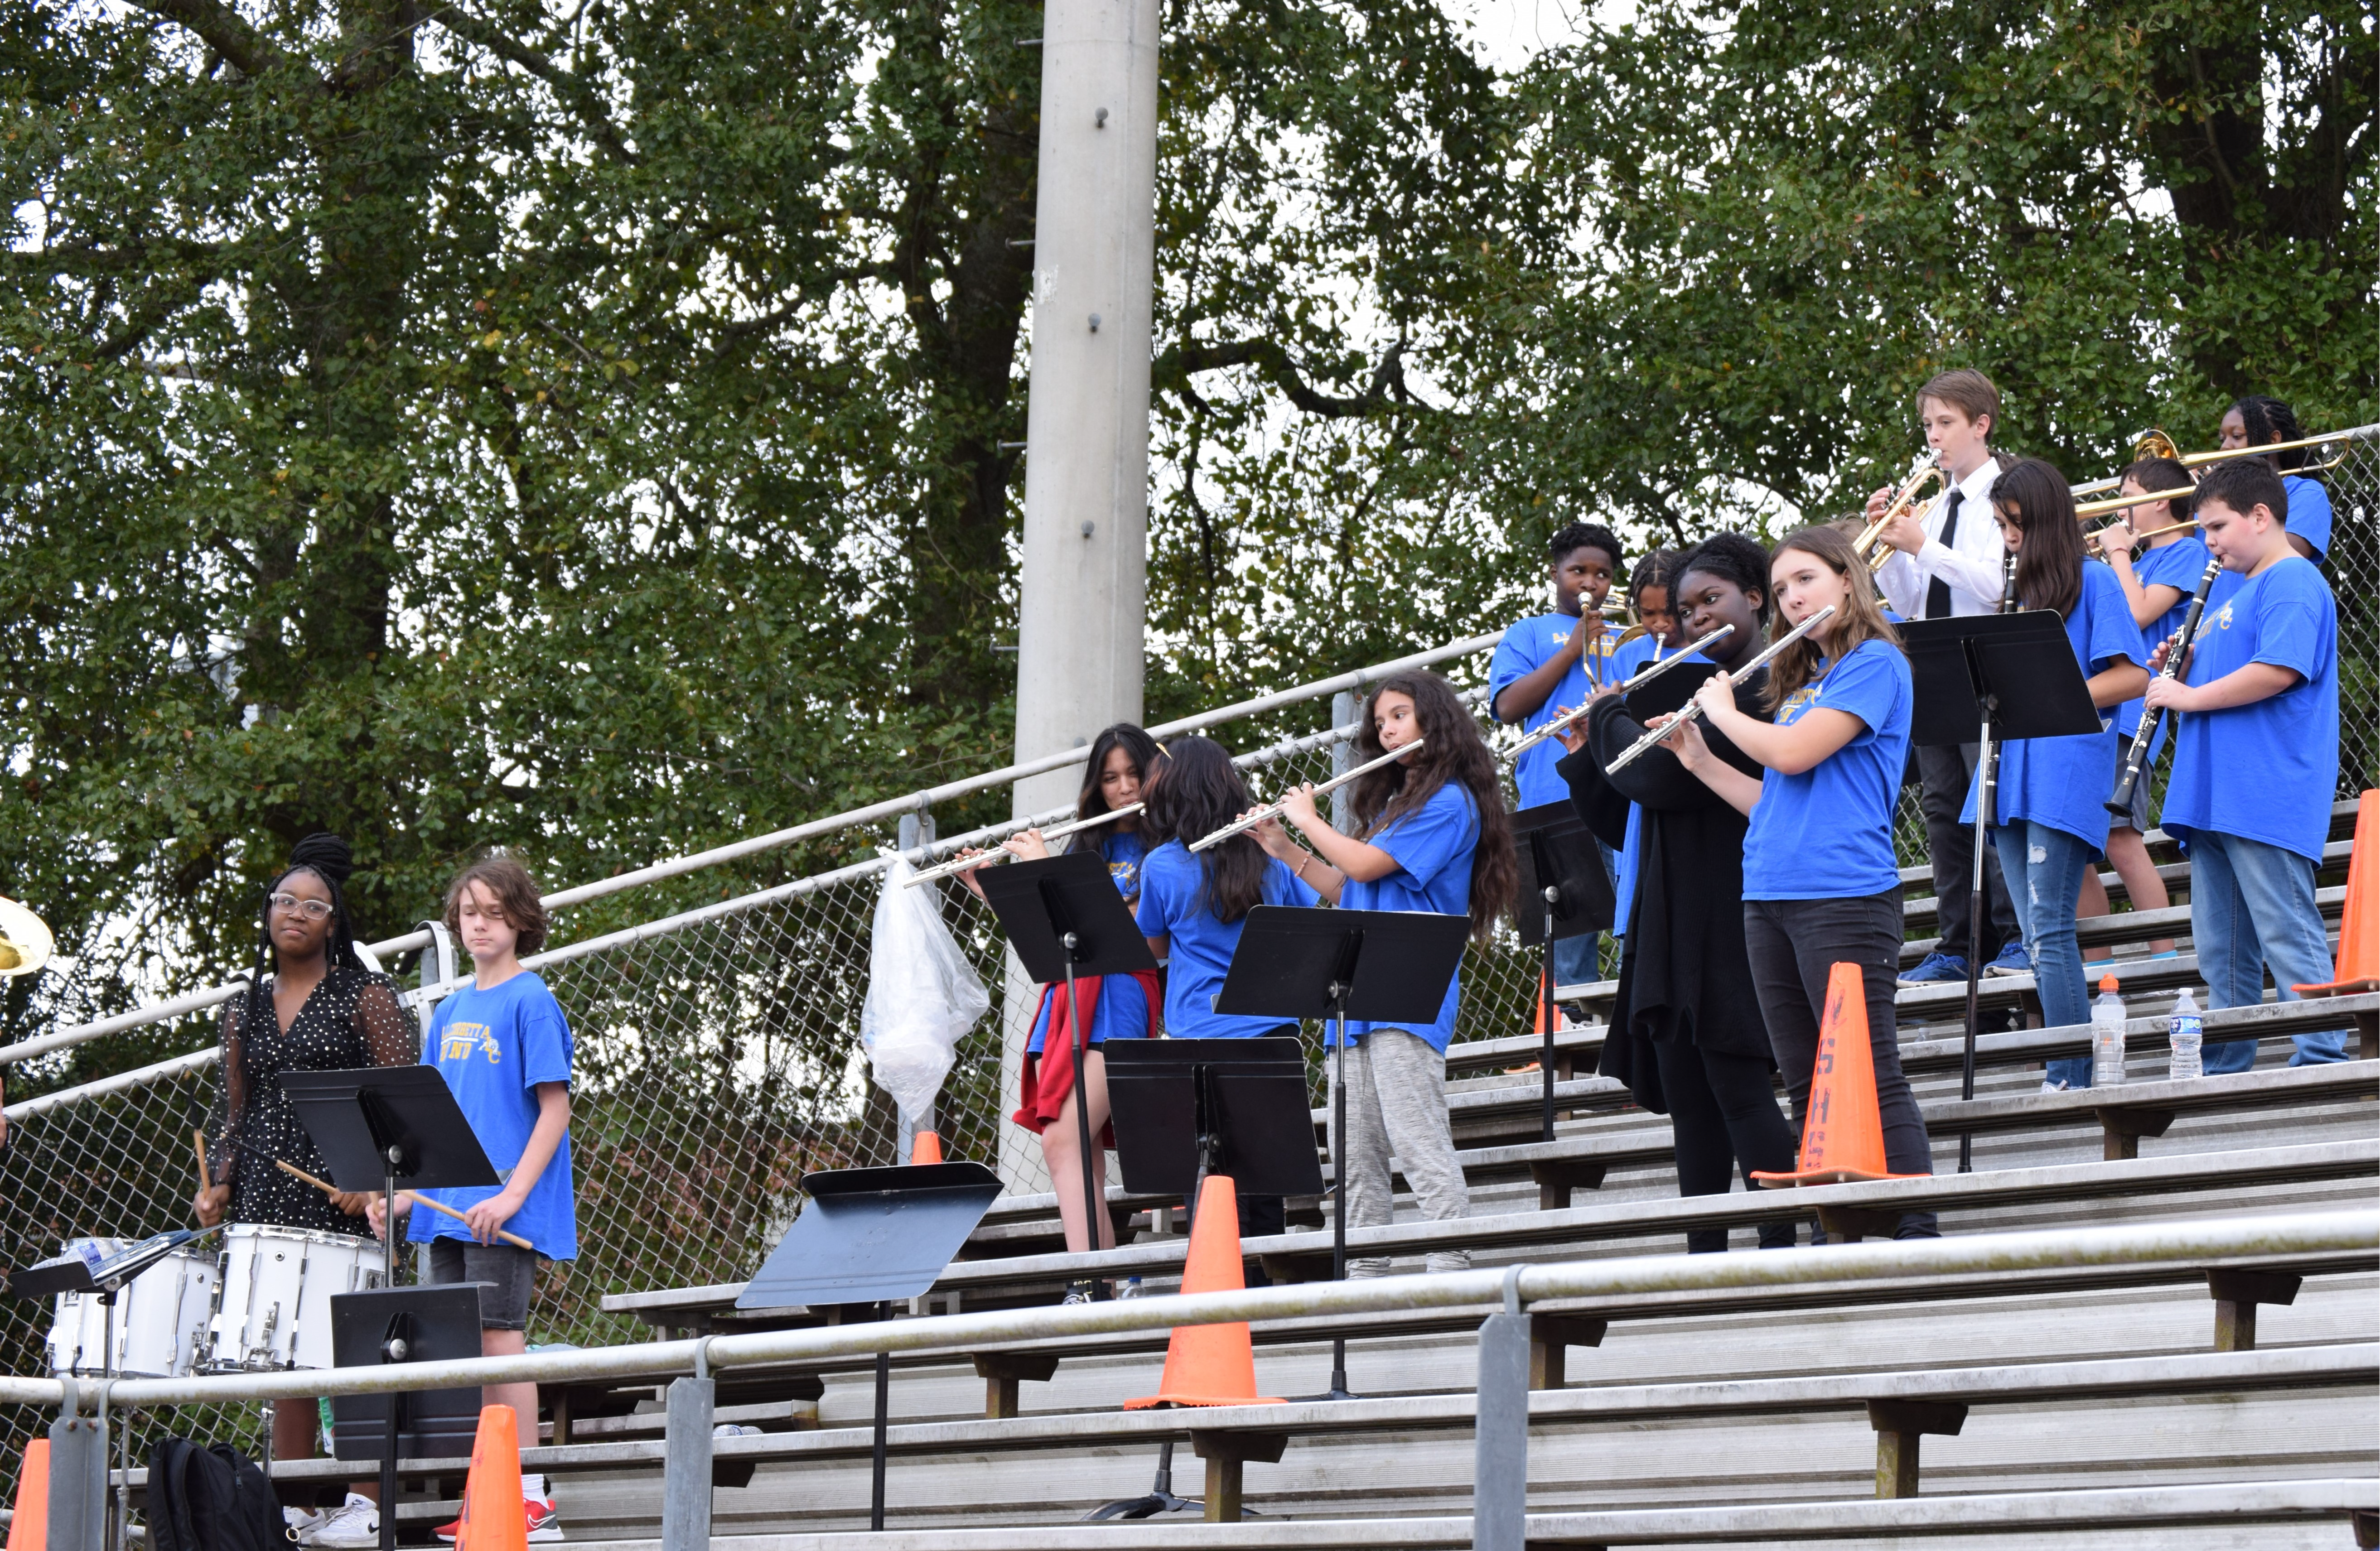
[(893, 807), (2294, 1233)]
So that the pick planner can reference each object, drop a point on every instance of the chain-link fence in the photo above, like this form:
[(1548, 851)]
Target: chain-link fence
[(717, 1054)]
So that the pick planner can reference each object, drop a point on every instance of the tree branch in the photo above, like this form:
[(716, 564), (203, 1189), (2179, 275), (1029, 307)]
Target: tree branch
[(1174, 370), (223, 30), (576, 93)]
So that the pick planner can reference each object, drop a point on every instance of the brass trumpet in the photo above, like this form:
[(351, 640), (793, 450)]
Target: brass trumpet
[(25, 942), (1929, 466)]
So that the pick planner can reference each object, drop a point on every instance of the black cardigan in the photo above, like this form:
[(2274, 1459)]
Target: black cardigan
[(1683, 971)]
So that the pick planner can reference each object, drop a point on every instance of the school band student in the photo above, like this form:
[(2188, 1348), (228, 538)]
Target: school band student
[(2050, 818), (1946, 565), (312, 1006), (1820, 883), (2260, 420), (2255, 760), (1193, 908), (504, 1047), (1430, 835), (1687, 1035), (1551, 664), (1658, 632), (1122, 761), (2157, 557)]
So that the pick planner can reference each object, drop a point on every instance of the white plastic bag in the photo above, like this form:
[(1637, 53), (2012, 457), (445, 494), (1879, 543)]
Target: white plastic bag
[(922, 995)]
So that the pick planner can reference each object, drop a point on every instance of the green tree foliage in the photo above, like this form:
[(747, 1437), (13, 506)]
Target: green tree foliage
[(580, 427)]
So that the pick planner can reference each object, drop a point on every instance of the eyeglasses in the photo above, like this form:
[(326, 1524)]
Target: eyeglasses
[(313, 910)]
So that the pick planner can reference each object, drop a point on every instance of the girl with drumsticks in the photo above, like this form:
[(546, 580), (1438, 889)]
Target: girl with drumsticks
[(318, 1010), (1821, 885), (1122, 759), (1430, 835)]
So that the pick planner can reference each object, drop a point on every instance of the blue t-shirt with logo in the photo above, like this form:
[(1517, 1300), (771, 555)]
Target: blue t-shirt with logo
[(1120, 1010), (1433, 847), (2268, 771), (1199, 942), (1527, 646), (2064, 783), (2309, 513), (1826, 833), (2178, 564), (493, 1048)]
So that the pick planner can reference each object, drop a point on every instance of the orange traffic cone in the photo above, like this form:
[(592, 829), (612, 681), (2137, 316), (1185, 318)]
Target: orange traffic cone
[(1545, 1005), (926, 1148), (495, 1519), (2359, 925), (29, 1528), (1843, 1139), (1210, 1365)]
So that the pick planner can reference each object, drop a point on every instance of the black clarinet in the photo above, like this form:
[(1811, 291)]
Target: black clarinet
[(2136, 760)]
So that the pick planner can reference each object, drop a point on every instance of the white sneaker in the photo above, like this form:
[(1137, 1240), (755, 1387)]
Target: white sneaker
[(300, 1524), (354, 1525)]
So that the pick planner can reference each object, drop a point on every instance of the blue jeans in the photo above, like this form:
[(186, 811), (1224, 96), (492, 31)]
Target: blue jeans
[(2251, 908), (2043, 868)]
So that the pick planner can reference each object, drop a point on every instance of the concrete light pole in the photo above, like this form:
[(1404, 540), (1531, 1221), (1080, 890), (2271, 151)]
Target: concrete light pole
[(1081, 605)]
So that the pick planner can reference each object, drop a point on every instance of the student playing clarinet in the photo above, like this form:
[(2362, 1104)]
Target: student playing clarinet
[(1429, 835), (2050, 817), (1820, 883), (2255, 759)]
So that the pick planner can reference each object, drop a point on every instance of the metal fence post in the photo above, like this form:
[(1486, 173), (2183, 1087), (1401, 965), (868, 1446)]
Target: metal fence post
[(1345, 707), (685, 1464), (1499, 1490), (78, 1476)]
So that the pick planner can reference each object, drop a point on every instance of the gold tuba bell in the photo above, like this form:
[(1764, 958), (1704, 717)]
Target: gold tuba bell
[(25, 942)]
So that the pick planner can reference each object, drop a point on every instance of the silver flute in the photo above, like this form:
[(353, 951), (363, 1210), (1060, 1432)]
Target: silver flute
[(985, 858), (1650, 671), (1274, 810), (1694, 708)]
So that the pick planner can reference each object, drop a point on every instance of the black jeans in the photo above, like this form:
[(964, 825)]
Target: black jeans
[(1794, 945), (1944, 771), (1723, 1115)]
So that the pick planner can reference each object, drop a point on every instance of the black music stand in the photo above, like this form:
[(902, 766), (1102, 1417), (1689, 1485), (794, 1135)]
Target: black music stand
[(404, 1325), (1562, 866), (2010, 676), (386, 1127), (1065, 918), (1380, 965), (1186, 1109), (873, 1236)]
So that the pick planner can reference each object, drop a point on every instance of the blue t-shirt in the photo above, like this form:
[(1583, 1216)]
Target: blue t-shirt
[(2064, 783), (2267, 771), (1200, 943), (2309, 513), (493, 1048), (1826, 833), (1527, 647), (1122, 1010), (2178, 564), (1433, 847)]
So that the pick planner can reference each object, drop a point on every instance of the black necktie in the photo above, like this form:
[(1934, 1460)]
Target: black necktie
[(1937, 591)]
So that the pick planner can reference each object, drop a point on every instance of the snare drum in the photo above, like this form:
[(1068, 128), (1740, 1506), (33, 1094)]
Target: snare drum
[(161, 1318), (273, 1308)]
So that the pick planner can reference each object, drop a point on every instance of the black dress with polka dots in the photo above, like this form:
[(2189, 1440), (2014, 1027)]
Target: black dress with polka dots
[(352, 1019)]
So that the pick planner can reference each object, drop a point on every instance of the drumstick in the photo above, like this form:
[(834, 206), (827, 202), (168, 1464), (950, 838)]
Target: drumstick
[(418, 1200), (199, 1140)]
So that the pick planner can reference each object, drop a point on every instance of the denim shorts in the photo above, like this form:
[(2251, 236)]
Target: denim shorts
[(505, 1272)]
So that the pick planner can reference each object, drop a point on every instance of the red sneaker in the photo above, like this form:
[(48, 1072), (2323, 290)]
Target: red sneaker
[(544, 1524)]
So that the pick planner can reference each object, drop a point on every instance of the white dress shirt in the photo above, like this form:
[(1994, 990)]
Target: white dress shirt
[(1970, 564)]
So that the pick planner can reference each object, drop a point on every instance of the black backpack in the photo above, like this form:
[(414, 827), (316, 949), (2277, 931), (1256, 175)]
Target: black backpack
[(211, 1499)]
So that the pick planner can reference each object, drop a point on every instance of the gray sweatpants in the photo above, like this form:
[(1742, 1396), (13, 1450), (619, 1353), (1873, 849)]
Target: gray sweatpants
[(1396, 1106)]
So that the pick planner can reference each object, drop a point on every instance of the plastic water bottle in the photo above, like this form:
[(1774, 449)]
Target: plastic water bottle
[(2187, 1031), (2107, 1036)]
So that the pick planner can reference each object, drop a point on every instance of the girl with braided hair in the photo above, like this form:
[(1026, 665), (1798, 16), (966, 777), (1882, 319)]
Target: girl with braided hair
[(317, 1009)]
